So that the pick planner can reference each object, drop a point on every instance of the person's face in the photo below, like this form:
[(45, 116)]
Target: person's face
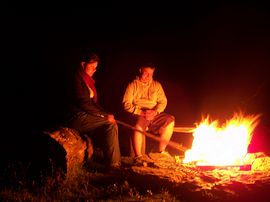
[(90, 68), (146, 74)]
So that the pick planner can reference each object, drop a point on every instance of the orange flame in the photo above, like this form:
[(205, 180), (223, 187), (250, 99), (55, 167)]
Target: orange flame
[(221, 146)]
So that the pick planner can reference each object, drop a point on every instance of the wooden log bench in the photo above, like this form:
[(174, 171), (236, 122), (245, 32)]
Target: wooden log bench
[(78, 148)]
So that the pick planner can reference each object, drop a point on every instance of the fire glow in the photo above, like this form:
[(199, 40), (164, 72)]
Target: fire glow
[(222, 146)]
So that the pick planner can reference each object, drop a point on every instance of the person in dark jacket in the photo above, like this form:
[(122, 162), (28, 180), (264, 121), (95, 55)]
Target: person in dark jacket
[(88, 117)]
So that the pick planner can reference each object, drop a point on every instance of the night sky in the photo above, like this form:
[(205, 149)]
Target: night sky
[(210, 58)]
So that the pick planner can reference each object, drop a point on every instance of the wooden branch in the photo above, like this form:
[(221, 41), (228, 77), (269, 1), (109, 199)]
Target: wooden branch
[(183, 129), (170, 143)]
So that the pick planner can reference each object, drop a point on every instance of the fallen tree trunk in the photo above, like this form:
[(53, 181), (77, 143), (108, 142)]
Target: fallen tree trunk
[(78, 148)]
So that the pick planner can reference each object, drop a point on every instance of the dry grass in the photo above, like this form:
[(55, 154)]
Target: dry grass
[(82, 185)]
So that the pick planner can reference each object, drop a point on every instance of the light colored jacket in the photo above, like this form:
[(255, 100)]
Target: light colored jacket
[(139, 95)]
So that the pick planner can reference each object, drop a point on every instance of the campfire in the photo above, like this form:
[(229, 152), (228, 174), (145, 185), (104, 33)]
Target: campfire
[(217, 167), (222, 145)]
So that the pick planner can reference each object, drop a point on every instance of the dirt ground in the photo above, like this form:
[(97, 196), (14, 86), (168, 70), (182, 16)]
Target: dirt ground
[(186, 182)]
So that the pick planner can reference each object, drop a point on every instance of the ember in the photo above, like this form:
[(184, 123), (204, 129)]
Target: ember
[(222, 146)]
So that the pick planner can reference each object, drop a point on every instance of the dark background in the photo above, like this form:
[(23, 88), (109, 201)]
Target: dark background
[(211, 58)]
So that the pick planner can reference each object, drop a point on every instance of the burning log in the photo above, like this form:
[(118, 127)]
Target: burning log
[(77, 148), (222, 146), (260, 162), (252, 162)]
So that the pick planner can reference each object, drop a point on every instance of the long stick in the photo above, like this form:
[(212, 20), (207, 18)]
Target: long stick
[(183, 129), (170, 143)]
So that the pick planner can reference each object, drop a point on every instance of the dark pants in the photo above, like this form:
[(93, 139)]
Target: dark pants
[(87, 124)]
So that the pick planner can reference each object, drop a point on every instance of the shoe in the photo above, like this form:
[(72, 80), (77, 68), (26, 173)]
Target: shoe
[(163, 155), (142, 160), (115, 166)]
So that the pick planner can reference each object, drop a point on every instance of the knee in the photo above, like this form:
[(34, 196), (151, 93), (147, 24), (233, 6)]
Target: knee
[(113, 126), (138, 127), (171, 121), (172, 118)]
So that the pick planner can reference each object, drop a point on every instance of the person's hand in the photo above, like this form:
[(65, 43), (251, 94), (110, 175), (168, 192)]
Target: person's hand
[(111, 118), (150, 114)]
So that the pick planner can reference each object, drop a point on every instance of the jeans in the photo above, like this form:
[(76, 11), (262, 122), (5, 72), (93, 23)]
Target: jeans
[(108, 137)]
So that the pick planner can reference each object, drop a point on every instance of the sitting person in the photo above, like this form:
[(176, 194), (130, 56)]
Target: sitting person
[(145, 99), (87, 116)]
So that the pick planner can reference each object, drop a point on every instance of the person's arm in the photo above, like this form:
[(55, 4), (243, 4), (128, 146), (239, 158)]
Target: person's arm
[(128, 100), (161, 99), (83, 100)]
